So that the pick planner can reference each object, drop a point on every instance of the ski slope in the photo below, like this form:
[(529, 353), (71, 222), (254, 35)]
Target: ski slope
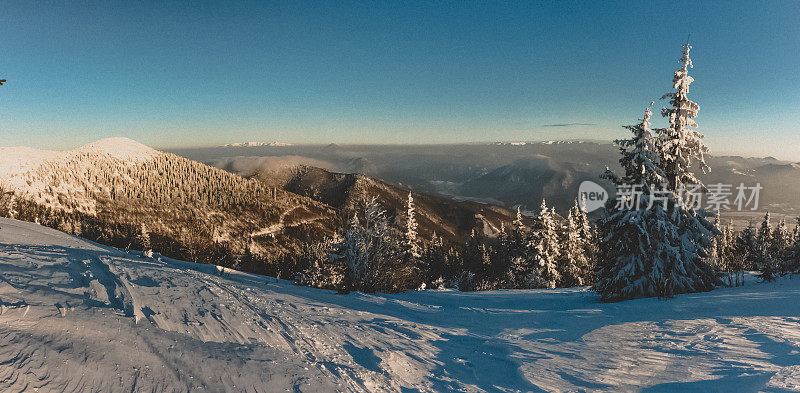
[(79, 317)]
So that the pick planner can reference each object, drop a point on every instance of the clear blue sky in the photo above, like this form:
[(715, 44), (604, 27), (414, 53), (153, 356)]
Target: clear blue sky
[(173, 73)]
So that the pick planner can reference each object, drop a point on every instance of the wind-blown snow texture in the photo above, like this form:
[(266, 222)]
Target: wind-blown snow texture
[(75, 316)]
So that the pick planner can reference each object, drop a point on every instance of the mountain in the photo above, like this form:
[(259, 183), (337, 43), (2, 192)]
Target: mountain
[(76, 316), (257, 144), (445, 217), (521, 174), (113, 189), (527, 181), (259, 218)]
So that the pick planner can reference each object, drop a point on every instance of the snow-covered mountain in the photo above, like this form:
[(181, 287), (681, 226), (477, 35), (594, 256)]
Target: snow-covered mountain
[(48, 177), (112, 189), (257, 144), (76, 316)]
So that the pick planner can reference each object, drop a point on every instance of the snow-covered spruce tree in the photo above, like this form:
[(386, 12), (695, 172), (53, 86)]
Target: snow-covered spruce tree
[(727, 257), (143, 238), (517, 223), (544, 245), (353, 251), (410, 237), (794, 250), (681, 145), (574, 265), (588, 234), (765, 261), (320, 270), (780, 247), (522, 271), (374, 256), (747, 248), (5, 202), (629, 264), (651, 248), (715, 251), (681, 148)]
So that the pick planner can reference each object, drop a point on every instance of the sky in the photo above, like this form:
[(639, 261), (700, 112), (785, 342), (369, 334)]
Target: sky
[(185, 74)]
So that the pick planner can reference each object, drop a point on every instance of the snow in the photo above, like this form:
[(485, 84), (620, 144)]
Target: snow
[(120, 148), (28, 171), (76, 316), (257, 144)]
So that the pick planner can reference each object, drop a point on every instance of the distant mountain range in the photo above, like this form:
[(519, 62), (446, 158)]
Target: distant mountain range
[(513, 174), (113, 189), (255, 144), (193, 208)]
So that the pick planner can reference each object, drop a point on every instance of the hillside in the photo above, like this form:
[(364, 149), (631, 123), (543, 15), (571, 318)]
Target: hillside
[(510, 174), (76, 317), (445, 217), (115, 188)]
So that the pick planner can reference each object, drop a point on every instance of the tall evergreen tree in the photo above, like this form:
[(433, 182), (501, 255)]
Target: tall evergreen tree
[(143, 238), (780, 247), (681, 144), (794, 250), (658, 249), (574, 266), (765, 261), (640, 155), (410, 237), (545, 246)]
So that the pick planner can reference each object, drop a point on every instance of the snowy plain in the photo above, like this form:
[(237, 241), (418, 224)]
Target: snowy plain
[(79, 317)]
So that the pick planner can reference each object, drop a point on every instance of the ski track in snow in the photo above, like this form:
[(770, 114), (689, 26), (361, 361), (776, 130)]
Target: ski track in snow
[(79, 317)]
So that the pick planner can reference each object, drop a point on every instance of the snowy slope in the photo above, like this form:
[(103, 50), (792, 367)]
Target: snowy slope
[(39, 174), (75, 316)]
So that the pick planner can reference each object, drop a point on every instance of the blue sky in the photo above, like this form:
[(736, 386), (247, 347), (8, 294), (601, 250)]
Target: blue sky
[(172, 74)]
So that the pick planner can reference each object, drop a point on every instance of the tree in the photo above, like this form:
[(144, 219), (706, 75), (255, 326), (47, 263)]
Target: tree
[(780, 247), (545, 246), (794, 251), (143, 238), (517, 223), (764, 260), (6, 201), (575, 268), (729, 259), (681, 144), (373, 254), (411, 229), (640, 155), (658, 247), (715, 251)]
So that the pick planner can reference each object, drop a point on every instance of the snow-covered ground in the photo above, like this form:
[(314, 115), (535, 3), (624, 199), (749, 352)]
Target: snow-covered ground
[(75, 316)]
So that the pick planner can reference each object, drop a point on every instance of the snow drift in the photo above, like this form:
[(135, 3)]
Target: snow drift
[(76, 316)]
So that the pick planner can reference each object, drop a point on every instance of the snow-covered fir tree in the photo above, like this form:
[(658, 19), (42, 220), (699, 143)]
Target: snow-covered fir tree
[(657, 248), (411, 228), (794, 250), (545, 246), (681, 144), (373, 254), (715, 257), (353, 250), (765, 261), (780, 247), (143, 238), (640, 155), (574, 266), (517, 223)]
